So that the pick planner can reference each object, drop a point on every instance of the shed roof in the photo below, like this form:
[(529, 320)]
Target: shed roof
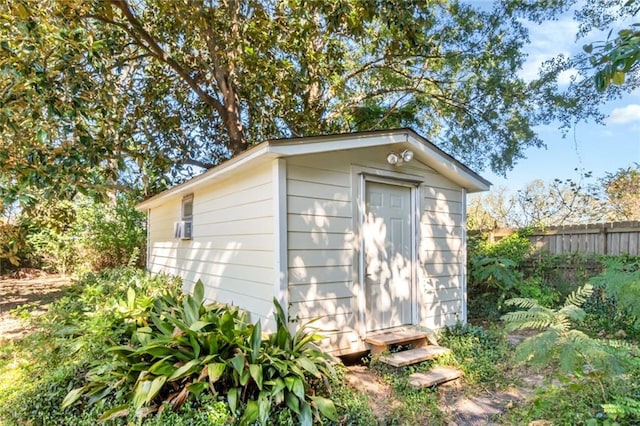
[(424, 151)]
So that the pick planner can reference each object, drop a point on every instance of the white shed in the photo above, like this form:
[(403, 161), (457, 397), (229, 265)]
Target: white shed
[(340, 227)]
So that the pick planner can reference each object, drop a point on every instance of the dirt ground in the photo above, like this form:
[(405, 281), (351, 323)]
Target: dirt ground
[(463, 409), (32, 288)]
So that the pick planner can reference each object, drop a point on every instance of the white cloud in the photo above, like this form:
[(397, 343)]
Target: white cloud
[(625, 115)]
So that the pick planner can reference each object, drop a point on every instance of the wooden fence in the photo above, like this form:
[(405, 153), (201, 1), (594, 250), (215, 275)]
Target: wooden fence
[(613, 238)]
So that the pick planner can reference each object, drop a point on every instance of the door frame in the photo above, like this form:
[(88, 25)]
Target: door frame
[(361, 177)]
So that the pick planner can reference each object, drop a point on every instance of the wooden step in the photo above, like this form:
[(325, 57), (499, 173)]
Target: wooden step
[(414, 356), (396, 337), (435, 376), (380, 342)]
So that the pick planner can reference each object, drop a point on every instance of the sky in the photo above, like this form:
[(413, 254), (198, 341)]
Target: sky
[(588, 147)]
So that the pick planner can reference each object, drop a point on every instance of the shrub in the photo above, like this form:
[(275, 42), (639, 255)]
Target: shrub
[(83, 235), (494, 273), (179, 347)]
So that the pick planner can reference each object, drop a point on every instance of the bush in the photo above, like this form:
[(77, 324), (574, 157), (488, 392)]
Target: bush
[(494, 273), (176, 347), (613, 309), (84, 235)]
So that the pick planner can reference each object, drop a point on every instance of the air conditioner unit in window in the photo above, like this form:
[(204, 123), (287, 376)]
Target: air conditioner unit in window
[(183, 230)]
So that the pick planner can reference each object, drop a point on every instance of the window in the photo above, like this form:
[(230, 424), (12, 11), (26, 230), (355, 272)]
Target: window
[(187, 207), (183, 230)]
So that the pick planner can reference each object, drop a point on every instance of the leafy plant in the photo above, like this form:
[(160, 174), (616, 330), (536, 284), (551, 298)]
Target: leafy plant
[(575, 351), (180, 347), (621, 284)]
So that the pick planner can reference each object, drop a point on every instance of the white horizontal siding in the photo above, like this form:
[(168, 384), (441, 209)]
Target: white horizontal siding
[(440, 253), (232, 250), (320, 242)]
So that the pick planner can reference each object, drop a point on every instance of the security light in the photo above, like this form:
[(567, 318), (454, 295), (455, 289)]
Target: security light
[(394, 158)]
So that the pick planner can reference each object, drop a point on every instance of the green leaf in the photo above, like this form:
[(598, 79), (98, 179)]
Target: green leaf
[(156, 386), (141, 393), (232, 398), (72, 396), (216, 370), (326, 407), (256, 341), (198, 325), (197, 387), (618, 77), (238, 363), (162, 367), (164, 327), (185, 370), (306, 416), (131, 298), (292, 402), (198, 293), (308, 365), (256, 373), (251, 413), (41, 136), (298, 388), (114, 413)]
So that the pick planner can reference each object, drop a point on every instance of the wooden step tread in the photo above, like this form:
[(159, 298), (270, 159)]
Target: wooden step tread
[(394, 337), (435, 376), (414, 356)]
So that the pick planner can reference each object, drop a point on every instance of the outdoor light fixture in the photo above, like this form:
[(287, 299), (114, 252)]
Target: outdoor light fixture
[(394, 158)]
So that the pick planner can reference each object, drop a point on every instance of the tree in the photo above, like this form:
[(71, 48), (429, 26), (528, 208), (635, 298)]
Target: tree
[(622, 190), (101, 93), (560, 202), (117, 93)]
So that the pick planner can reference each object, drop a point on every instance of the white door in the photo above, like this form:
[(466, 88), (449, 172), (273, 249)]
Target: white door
[(388, 254)]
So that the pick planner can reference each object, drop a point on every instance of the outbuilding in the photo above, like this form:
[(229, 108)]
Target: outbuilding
[(365, 231)]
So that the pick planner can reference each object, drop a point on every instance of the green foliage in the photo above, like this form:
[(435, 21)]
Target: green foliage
[(12, 245), (536, 288), (564, 272), (621, 283), (616, 58), (515, 247), (74, 120), (179, 347), (207, 411), (575, 352), (494, 272), (481, 353), (83, 235)]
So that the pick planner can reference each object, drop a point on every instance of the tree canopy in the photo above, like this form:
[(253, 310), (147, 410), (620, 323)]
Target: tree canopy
[(142, 93)]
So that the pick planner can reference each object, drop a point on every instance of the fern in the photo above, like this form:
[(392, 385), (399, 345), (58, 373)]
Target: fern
[(579, 296), (522, 303), (573, 350)]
